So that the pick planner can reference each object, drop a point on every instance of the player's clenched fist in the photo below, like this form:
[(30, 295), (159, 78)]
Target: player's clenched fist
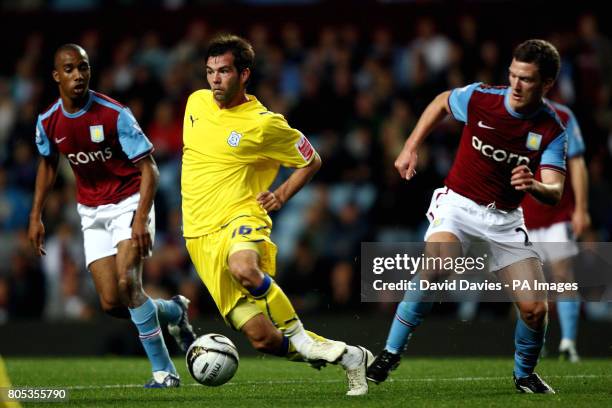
[(269, 201), (406, 163), (522, 178)]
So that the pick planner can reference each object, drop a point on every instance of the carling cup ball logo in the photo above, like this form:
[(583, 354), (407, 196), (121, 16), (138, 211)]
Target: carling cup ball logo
[(234, 138)]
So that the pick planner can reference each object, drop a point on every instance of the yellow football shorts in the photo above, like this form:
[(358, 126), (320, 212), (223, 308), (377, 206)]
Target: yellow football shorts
[(209, 253)]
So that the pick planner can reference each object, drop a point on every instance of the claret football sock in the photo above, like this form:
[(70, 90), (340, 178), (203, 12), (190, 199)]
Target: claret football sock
[(168, 311), (408, 317), (528, 343), (145, 319)]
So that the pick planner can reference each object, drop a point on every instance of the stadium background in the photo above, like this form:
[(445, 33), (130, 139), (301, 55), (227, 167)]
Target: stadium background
[(353, 76)]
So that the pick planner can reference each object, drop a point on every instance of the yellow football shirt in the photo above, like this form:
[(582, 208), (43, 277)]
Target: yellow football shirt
[(230, 156)]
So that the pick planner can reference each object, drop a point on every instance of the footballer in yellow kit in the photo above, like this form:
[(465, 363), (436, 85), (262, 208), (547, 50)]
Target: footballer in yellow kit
[(229, 156), (233, 149)]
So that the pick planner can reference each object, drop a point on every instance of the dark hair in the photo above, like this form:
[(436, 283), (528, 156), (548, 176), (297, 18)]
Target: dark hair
[(244, 56), (68, 47), (541, 53)]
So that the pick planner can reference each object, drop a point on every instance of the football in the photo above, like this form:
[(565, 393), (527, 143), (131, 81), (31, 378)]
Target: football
[(212, 359)]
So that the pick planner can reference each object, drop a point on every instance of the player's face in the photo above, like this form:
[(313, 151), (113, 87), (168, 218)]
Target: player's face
[(226, 83), (527, 85), (72, 73)]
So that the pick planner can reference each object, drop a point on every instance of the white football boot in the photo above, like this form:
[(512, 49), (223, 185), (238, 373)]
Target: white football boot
[(357, 382)]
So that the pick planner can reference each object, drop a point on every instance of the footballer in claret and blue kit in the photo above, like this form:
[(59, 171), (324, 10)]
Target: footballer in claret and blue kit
[(509, 132), (116, 179)]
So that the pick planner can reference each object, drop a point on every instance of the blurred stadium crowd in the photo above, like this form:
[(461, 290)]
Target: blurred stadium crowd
[(355, 93)]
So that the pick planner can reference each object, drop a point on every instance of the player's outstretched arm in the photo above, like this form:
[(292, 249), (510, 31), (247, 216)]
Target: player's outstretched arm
[(432, 115), (581, 219), (275, 200), (45, 178), (141, 238), (547, 191)]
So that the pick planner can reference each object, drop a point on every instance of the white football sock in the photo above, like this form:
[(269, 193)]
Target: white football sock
[(298, 337)]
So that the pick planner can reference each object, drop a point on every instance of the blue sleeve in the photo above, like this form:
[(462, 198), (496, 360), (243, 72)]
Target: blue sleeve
[(42, 141), (459, 99), (133, 141), (554, 155), (575, 143)]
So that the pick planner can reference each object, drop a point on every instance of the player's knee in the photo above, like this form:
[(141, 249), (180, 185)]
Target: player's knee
[(247, 274), (534, 314)]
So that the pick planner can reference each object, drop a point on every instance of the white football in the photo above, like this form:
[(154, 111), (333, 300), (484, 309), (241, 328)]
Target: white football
[(212, 359)]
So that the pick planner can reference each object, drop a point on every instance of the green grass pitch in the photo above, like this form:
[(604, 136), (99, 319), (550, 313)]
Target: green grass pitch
[(259, 382)]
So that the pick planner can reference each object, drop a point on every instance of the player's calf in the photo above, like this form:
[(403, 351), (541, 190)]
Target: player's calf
[(129, 275), (264, 337), (269, 343)]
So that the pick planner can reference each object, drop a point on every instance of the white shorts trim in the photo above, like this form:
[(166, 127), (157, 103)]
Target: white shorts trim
[(502, 232), (106, 225), (555, 242)]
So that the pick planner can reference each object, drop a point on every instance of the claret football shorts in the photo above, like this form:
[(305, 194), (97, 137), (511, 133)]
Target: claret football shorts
[(106, 225), (502, 234)]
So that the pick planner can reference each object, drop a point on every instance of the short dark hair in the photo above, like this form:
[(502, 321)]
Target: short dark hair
[(541, 53), (244, 55), (67, 47)]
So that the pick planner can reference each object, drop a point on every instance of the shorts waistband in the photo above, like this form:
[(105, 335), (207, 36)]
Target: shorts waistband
[(484, 207)]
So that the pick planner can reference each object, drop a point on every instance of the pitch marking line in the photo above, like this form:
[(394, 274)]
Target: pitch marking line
[(456, 379)]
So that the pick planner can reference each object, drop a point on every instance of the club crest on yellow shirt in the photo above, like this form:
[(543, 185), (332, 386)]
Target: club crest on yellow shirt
[(234, 138), (96, 133)]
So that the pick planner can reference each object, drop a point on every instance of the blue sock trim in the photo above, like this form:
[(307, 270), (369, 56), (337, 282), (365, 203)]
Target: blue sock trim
[(153, 333), (262, 289)]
